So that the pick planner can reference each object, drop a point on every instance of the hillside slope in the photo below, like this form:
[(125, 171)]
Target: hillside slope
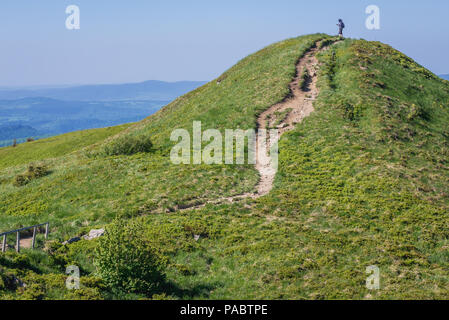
[(55, 146), (362, 181)]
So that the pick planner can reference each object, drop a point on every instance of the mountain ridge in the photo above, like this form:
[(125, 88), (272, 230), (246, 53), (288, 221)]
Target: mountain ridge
[(46, 117), (51, 111), (146, 90)]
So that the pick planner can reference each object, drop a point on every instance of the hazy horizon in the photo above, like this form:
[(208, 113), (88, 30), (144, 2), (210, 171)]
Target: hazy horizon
[(57, 86), (62, 85)]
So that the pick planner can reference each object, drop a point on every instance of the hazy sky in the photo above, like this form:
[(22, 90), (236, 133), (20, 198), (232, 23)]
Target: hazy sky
[(137, 40)]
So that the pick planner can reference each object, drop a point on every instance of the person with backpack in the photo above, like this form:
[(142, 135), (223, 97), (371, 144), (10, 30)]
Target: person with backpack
[(341, 26)]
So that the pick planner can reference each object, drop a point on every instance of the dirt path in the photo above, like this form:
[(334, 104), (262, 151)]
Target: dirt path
[(26, 242), (282, 116), (285, 115)]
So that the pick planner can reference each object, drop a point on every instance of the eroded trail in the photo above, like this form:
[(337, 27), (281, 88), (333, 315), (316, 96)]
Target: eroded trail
[(285, 115), (282, 116)]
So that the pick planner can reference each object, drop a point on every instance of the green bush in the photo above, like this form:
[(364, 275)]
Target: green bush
[(35, 291), (37, 171), (7, 281), (126, 261), (84, 293), (33, 172), (20, 180), (128, 145)]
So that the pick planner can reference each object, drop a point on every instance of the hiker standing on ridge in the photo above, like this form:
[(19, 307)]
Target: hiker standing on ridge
[(341, 26)]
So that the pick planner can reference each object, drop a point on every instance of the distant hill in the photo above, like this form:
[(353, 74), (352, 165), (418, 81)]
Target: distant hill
[(445, 76), (14, 131), (44, 117), (148, 90), (39, 112)]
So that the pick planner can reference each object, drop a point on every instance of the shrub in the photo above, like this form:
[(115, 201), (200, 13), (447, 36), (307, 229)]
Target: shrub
[(126, 261), (34, 291), (20, 180), (33, 172), (52, 246), (84, 294), (37, 171), (7, 281), (128, 145)]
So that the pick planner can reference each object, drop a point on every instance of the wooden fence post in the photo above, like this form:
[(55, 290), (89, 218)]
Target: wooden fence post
[(36, 228), (18, 241), (4, 243), (34, 238)]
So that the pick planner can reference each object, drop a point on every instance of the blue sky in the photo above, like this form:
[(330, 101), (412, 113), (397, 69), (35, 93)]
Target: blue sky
[(130, 41)]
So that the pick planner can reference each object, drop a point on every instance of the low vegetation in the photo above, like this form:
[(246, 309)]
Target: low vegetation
[(54, 147), (33, 172), (303, 80), (126, 261), (128, 145), (281, 116), (362, 181)]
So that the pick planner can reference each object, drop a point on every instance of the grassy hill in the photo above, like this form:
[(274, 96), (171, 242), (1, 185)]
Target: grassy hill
[(363, 181), (55, 146)]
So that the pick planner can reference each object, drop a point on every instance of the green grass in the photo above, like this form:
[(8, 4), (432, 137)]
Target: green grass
[(303, 80), (362, 181), (55, 146), (281, 116), (88, 188)]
